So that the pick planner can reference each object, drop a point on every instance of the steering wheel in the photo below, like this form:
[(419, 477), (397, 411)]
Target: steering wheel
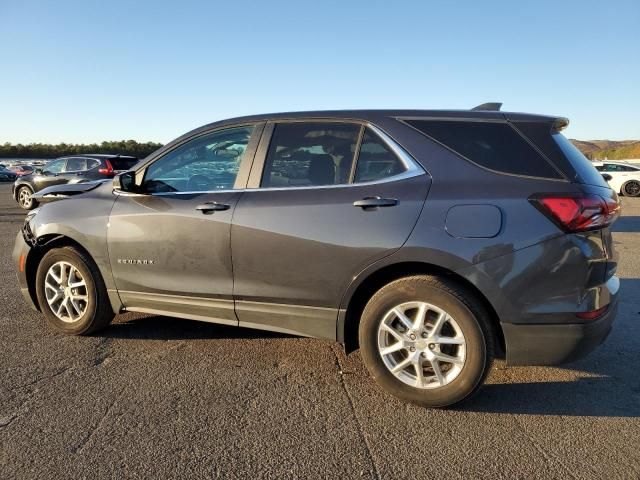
[(198, 183)]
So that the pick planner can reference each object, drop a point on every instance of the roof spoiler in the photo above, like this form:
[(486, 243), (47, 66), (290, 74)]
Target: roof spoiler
[(490, 106)]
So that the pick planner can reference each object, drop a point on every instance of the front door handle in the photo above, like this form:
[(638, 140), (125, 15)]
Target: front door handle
[(375, 202), (210, 207)]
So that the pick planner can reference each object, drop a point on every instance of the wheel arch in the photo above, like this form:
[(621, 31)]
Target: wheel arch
[(46, 243), (349, 322), (19, 186)]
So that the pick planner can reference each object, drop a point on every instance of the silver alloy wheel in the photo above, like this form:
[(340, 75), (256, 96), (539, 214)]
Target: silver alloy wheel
[(421, 345), (24, 197), (632, 188), (66, 292)]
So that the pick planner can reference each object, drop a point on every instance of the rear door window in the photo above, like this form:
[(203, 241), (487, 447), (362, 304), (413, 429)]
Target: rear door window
[(376, 160), (76, 165), (305, 154), (493, 145)]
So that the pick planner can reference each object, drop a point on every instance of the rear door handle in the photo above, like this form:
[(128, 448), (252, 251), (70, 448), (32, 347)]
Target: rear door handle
[(210, 207), (375, 202)]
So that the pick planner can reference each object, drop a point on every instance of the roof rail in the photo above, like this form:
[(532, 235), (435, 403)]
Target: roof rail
[(490, 106)]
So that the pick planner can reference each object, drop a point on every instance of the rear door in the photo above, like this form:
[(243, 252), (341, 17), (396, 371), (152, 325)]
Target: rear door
[(75, 170), (313, 218)]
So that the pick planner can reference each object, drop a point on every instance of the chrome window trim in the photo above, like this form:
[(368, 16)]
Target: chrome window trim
[(413, 169)]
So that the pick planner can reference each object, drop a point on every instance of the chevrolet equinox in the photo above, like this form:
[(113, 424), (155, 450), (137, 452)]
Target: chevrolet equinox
[(433, 241)]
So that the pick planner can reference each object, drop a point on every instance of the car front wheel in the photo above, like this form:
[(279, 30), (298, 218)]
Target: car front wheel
[(25, 198), (426, 340), (71, 292)]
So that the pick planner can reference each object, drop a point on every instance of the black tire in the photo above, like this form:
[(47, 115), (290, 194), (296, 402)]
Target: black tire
[(24, 197), (631, 188), (460, 304), (97, 314)]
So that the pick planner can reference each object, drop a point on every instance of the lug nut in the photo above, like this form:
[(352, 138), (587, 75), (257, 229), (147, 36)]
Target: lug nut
[(412, 336), (432, 346), (424, 335), (413, 349), (424, 355)]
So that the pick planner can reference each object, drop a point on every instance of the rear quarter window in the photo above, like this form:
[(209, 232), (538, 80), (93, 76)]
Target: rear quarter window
[(493, 145), (123, 163), (585, 171)]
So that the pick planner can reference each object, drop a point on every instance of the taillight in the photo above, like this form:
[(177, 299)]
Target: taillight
[(108, 170), (577, 212), (592, 315)]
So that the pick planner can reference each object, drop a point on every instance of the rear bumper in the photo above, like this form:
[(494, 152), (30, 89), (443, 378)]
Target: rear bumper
[(553, 344)]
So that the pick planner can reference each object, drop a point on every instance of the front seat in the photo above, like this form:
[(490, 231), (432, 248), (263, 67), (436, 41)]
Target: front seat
[(322, 170)]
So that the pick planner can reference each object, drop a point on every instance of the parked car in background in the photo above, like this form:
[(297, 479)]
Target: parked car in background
[(71, 169), (431, 240), (21, 170), (625, 177), (7, 175)]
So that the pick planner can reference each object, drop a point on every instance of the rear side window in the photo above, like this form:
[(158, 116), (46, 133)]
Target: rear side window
[(92, 163), (310, 154), (376, 160), (76, 165), (496, 146), (585, 171), (615, 167), (123, 163)]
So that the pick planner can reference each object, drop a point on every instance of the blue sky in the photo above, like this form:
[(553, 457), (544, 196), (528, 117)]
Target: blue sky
[(84, 71)]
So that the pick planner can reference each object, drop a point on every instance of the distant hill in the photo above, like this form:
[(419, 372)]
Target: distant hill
[(613, 150)]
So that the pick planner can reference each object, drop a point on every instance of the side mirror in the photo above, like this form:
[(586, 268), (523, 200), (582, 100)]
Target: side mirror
[(125, 182), (38, 171), (606, 176)]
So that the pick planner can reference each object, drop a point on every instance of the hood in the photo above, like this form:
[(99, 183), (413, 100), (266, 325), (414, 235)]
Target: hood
[(58, 192)]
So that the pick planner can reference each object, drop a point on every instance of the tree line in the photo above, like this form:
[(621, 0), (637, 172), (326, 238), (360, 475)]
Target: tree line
[(45, 150)]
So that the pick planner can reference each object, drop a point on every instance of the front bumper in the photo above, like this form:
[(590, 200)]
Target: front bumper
[(553, 344), (21, 251)]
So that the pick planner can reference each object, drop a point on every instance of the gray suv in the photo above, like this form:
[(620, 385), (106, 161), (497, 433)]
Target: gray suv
[(433, 241)]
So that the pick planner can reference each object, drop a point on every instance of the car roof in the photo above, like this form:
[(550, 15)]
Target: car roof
[(617, 162), (393, 113)]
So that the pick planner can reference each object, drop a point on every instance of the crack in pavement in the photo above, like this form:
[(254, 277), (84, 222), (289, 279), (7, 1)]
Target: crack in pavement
[(341, 372), (90, 434), (42, 379)]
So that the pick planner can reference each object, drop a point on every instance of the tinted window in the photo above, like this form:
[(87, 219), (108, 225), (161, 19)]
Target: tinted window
[(376, 160), (492, 145), (76, 165), (55, 166), (308, 154), (614, 167), (207, 163), (583, 167), (123, 163), (92, 163), (600, 168)]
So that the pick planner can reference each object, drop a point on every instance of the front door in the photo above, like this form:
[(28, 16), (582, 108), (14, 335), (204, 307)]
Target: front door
[(52, 174), (169, 246), (317, 219)]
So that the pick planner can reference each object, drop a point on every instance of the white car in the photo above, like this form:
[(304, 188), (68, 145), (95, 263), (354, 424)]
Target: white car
[(625, 177)]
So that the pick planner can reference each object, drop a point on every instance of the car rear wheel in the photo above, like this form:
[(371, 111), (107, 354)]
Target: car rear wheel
[(71, 292), (426, 340), (25, 198), (631, 188)]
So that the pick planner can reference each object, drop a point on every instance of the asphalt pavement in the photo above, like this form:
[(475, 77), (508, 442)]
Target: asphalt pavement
[(155, 397)]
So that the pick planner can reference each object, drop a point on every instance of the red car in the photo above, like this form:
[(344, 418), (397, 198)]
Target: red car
[(21, 170)]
